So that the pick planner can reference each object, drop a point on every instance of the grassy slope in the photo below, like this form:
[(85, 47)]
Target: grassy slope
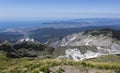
[(29, 65), (7, 64), (107, 58)]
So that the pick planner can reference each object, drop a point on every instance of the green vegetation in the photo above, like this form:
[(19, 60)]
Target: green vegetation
[(26, 65), (59, 70), (36, 65)]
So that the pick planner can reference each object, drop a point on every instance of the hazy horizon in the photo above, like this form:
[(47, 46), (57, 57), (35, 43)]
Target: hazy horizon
[(18, 10)]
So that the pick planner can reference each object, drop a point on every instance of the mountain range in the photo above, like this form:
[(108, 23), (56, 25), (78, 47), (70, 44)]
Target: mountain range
[(77, 46)]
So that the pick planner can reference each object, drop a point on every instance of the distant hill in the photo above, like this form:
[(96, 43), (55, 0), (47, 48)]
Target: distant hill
[(10, 36), (43, 31), (44, 34)]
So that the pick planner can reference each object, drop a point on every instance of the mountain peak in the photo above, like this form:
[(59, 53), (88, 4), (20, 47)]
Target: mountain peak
[(27, 39)]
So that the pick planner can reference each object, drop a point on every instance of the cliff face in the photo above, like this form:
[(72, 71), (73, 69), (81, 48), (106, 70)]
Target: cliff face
[(95, 42)]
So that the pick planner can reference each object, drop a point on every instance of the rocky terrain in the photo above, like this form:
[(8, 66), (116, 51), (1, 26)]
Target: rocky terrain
[(89, 44), (26, 47)]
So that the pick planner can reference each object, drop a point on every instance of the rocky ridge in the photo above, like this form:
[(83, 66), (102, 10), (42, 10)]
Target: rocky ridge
[(105, 41)]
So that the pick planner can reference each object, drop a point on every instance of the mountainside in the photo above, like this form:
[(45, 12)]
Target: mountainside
[(89, 44), (26, 48)]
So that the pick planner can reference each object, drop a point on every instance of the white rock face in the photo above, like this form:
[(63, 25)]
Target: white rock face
[(75, 54), (87, 43), (80, 39), (104, 44), (26, 39)]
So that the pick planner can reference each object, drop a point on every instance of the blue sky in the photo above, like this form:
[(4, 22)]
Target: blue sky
[(43, 9)]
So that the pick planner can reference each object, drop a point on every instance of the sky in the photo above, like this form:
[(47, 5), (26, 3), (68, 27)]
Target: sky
[(46, 9)]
